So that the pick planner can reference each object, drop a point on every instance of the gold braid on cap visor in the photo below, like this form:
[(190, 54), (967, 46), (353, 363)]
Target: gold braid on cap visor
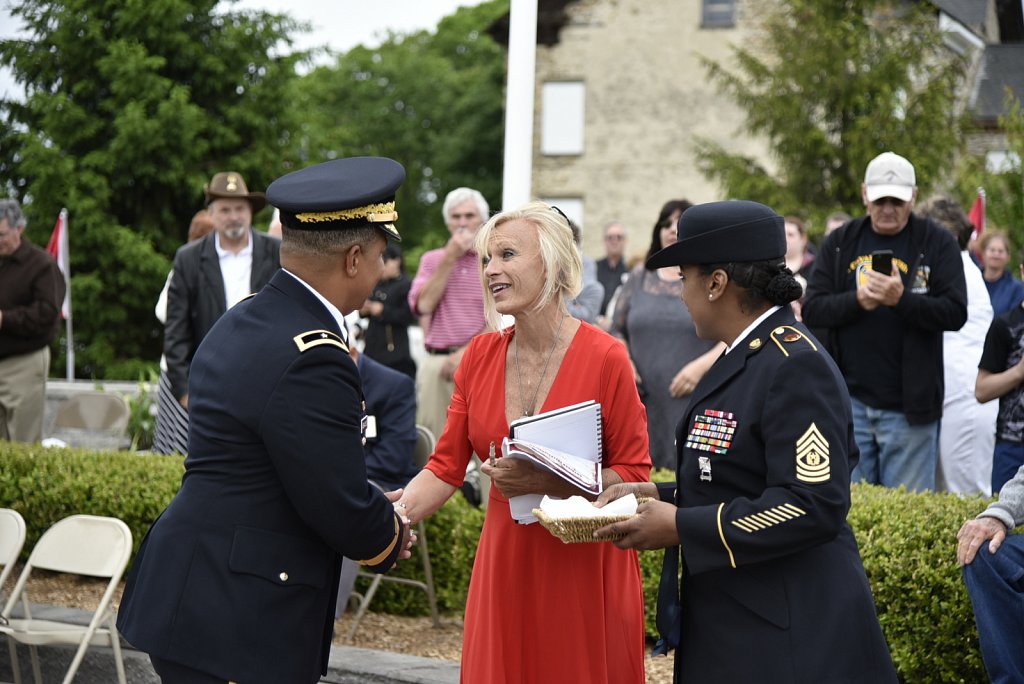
[(383, 212)]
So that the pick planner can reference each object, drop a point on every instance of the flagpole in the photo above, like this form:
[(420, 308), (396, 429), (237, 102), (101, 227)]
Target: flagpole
[(69, 334)]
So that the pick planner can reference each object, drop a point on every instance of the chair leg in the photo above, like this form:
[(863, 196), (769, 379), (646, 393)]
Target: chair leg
[(34, 656), (15, 665), (428, 574), (115, 645), (363, 605)]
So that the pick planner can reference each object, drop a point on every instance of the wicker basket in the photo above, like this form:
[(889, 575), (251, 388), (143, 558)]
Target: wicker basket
[(580, 530)]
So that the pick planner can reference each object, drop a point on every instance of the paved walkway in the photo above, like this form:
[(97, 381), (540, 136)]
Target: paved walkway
[(348, 665)]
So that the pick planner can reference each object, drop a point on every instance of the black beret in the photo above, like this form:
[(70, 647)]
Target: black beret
[(340, 194), (723, 232)]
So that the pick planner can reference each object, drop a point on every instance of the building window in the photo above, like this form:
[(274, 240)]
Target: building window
[(719, 14), (570, 206), (562, 112)]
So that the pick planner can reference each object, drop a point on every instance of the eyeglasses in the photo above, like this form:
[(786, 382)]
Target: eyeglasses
[(614, 237), (562, 214)]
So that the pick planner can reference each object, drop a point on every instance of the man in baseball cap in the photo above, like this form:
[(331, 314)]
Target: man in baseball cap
[(886, 286)]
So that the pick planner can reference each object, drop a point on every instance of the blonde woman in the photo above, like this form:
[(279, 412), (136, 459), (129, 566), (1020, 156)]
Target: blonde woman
[(539, 610)]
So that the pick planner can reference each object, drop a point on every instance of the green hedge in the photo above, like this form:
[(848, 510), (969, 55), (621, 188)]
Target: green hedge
[(907, 542), (46, 485)]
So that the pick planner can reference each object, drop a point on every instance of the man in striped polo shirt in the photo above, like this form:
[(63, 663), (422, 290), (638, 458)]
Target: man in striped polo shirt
[(447, 290)]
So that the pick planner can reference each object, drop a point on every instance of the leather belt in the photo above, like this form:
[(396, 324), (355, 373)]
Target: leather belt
[(442, 350)]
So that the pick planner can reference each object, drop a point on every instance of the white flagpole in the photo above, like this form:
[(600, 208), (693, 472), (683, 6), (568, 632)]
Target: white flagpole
[(519, 95), (65, 250)]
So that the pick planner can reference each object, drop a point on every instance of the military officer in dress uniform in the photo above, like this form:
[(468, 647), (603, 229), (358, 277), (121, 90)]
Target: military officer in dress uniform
[(237, 579), (773, 589)]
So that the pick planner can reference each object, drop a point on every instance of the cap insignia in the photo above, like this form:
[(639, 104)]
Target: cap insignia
[(382, 212), (812, 460), (316, 338), (232, 183)]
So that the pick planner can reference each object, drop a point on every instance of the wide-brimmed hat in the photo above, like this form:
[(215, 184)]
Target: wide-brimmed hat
[(723, 232), (231, 185), (340, 194)]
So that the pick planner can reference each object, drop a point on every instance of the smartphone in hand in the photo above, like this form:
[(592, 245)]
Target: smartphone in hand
[(881, 261)]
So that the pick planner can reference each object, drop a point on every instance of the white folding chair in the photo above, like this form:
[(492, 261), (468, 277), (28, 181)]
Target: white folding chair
[(80, 545), (12, 538), (424, 448)]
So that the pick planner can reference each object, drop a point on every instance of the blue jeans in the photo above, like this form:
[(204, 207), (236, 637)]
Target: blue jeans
[(892, 451), (995, 583), (1006, 461)]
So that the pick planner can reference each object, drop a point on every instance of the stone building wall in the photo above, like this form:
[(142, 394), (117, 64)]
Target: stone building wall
[(647, 98)]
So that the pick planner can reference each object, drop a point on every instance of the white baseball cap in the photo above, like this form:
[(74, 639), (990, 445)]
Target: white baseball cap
[(889, 175)]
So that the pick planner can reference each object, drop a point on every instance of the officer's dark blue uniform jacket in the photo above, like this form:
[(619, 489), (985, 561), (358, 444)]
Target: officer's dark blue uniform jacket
[(239, 575), (773, 578)]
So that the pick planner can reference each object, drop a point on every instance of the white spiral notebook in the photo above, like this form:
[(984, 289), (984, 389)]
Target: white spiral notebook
[(574, 430)]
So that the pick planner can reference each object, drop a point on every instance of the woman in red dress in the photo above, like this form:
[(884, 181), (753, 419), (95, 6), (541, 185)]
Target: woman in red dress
[(539, 610)]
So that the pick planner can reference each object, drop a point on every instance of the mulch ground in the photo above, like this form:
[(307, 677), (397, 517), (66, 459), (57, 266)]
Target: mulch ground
[(395, 633)]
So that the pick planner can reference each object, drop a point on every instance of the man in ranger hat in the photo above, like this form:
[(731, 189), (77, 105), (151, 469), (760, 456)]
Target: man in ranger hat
[(237, 579), (213, 274)]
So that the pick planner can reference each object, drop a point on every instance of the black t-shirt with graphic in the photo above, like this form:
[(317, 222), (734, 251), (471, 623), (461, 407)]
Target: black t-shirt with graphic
[(872, 345), (1004, 347)]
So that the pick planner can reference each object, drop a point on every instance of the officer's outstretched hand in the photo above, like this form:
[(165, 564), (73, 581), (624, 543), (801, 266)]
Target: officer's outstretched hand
[(408, 539), (653, 527)]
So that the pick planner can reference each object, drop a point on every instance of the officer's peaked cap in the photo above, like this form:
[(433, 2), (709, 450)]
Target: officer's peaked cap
[(340, 194), (723, 232)]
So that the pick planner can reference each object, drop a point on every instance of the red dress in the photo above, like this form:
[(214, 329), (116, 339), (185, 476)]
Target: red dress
[(539, 610)]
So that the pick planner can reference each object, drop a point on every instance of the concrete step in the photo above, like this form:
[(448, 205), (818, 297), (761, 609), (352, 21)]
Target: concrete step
[(347, 665)]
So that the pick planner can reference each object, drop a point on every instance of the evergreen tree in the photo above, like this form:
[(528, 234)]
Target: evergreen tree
[(831, 85), (130, 108), (432, 101)]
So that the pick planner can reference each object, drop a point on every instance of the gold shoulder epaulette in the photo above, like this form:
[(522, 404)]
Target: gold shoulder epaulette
[(315, 338), (786, 335)]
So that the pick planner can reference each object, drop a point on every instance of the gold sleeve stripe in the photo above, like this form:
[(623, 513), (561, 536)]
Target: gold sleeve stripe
[(754, 522), (721, 535), (769, 518), (744, 525), (387, 551)]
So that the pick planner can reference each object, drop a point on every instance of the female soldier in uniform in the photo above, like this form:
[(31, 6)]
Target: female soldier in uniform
[(773, 589)]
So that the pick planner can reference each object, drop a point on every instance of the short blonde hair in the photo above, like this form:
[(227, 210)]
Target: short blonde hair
[(561, 260)]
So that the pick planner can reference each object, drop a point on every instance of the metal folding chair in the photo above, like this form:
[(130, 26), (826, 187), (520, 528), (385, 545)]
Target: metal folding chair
[(424, 448)]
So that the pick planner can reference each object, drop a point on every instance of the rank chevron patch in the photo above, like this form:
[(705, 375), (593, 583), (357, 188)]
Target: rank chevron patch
[(812, 461)]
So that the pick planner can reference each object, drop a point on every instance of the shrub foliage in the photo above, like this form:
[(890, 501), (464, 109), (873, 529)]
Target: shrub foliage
[(907, 542)]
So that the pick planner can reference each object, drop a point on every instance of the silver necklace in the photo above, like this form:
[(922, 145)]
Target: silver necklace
[(528, 409)]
